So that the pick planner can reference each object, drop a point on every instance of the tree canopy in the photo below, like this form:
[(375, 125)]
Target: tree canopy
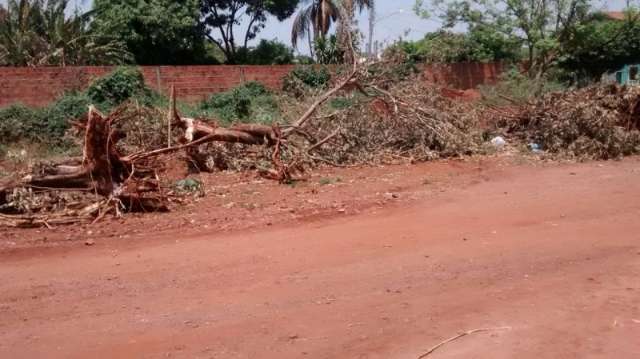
[(155, 31), (540, 25), (601, 45), (38, 32), (222, 18), (479, 45)]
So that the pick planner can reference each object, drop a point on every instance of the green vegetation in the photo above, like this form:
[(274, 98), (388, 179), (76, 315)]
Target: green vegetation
[(251, 102), (122, 84), (224, 18), (298, 82), (314, 21), (158, 32), (48, 125), (315, 77), (329, 180), (600, 45), (514, 87), (540, 28), (481, 44), (341, 103), (39, 33), (266, 53), (328, 51)]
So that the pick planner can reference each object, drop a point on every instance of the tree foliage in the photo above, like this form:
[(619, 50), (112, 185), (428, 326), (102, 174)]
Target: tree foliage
[(541, 26), (313, 22), (250, 102), (157, 32), (223, 17), (600, 45), (267, 52), (479, 45), (38, 32)]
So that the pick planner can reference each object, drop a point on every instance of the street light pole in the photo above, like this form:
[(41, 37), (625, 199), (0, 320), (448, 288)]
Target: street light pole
[(372, 23)]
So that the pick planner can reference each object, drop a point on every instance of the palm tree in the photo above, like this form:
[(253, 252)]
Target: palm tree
[(19, 41), (70, 41), (38, 32), (317, 17)]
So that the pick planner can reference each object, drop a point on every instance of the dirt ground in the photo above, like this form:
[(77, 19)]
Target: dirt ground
[(379, 262)]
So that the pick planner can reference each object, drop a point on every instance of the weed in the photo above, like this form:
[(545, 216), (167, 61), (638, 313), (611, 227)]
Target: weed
[(251, 102), (514, 87), (303, 78), (328, 180), (120, 85)]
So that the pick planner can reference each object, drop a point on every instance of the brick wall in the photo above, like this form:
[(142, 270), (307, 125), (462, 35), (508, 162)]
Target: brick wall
[(40, 86), (464, 75)]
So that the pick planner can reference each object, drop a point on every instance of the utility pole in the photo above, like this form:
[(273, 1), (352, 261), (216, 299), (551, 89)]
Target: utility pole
[(372, 24)]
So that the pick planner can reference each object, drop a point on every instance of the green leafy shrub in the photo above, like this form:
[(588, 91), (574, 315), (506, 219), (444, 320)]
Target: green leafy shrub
[(120, 85), (69, 107), (302, 78), (340, 103), (479, 44), (250, 102), (48, 125), (328, 50), (514, 87), (268, 52), (313, 77), (21, 123)]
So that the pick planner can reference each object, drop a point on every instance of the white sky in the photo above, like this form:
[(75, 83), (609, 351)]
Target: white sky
[(396, 20)]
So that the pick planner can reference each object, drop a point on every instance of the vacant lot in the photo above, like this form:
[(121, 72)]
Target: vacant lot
[(357, 263)]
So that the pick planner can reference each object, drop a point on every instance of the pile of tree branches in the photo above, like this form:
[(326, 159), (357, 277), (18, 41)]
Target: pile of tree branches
[(124, 152), (597, 122)]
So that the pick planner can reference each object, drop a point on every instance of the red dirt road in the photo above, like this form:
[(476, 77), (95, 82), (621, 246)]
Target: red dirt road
[(552, 253)]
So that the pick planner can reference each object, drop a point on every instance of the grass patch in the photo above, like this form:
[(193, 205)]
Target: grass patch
[(328, 180), (250, 102), (514, 87), (47, 126)]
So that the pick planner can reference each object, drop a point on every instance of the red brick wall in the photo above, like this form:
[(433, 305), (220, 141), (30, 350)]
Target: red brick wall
[(464, 75), (40, 86)]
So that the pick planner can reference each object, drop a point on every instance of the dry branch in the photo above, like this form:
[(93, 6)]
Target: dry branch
[(437, 346)]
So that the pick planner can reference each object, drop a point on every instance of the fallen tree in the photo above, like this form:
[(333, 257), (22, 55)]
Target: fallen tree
[(601, 121), (130, 182), (124, 157)]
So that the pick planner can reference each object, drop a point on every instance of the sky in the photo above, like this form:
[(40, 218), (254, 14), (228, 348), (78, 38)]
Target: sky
[(395, 19)]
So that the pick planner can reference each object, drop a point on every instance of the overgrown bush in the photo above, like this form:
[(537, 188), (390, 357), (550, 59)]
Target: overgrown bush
[(341, 103), (598, 122), (479, 44), (48, 125), (268, 52), (69, 107), (303, 78), (514, 87), (21, 123), (250, 102), (120, 85)]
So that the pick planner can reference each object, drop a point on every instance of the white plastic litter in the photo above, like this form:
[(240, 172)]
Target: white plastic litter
[(498, 142)]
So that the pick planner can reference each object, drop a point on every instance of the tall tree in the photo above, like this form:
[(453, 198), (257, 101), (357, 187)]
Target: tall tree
[(157, 32), (601, 45), (541, 25), (38, 32), (224, 18), (317, 17)]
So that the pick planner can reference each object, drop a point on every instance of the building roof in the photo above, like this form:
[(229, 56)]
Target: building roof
[(615, 15)]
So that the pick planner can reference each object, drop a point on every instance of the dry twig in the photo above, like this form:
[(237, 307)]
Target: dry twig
[(437, 346)]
